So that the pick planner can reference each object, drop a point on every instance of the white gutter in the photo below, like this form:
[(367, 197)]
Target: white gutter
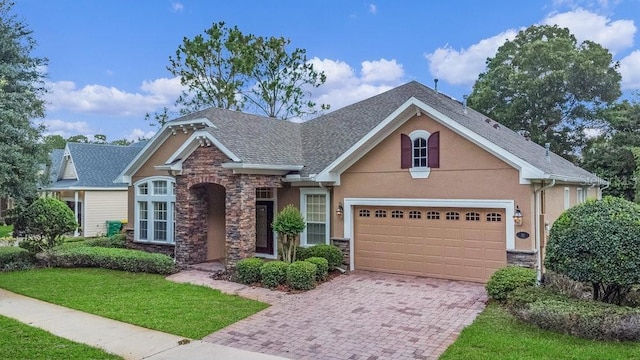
[(536, 221)]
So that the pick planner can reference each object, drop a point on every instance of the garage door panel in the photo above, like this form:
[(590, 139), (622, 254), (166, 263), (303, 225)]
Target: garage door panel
[(470, 248)]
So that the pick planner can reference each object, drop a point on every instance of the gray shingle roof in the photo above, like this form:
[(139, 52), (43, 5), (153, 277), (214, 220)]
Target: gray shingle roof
[(318, 142), (97, 165)]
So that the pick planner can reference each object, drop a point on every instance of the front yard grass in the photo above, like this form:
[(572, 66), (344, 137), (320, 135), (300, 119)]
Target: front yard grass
[(145, 300), (5, 230), (20, 341), (495, 334)]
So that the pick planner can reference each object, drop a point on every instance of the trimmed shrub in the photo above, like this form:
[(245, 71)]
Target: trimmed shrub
[(598, 242), (109, 258), (507, 279), (322, 267), (288, 223), (332, 253), (47, 220), (15, 258), (301, 253), (274, 273), (583, 318), (107, 242), (562, 284), (248, 270), (301, 275)]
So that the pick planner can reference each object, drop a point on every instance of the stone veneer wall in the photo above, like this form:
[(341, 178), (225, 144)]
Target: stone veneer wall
[(167, 249), (204, 167), (525, 258), (343, 244)]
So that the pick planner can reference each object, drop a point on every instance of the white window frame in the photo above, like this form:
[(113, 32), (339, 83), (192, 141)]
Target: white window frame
[(303, 209), (169, 198), (580, 196), (567, 198), (419, 172)]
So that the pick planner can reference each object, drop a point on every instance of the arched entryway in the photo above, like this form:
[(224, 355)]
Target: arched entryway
[(201, 225)]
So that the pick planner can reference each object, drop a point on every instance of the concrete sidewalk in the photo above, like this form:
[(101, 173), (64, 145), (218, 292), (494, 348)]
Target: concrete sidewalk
[(126, 340)]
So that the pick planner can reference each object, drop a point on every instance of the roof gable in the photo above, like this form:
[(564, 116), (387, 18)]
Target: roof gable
[(95, 166)]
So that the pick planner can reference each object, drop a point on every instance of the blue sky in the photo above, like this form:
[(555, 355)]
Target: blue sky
[(107, 59)]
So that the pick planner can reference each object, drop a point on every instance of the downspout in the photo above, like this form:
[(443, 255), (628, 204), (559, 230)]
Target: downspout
[(536, 221)]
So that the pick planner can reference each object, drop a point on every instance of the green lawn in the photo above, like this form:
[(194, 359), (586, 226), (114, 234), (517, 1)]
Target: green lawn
[(142, 299), (495, 334), (5, 230), (20, 341)]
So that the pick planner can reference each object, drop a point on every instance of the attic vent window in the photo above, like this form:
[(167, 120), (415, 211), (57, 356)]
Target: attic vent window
[(420, 152)]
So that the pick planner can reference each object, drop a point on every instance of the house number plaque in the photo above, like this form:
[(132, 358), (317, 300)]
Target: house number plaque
[(523, 235)]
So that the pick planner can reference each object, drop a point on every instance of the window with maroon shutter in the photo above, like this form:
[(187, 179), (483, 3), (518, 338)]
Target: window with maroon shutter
[(433, 145), (406, 150)]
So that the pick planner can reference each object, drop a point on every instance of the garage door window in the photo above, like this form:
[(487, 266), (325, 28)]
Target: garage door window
[(397, 214), (433, 215), (415, 214), (381, 213), (494, 217), (453, 215), (314, 204), (472, 216), (364, 213)]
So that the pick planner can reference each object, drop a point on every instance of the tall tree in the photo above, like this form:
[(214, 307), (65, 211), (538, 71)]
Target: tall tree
[(228, 69), (281, 79), (548, 87), (21, 91), (611, 154)]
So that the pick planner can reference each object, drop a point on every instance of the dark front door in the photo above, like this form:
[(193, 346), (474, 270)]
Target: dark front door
[(264, 230)]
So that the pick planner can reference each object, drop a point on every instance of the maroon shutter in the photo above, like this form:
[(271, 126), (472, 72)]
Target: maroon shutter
[(433, 149), (406, 149)]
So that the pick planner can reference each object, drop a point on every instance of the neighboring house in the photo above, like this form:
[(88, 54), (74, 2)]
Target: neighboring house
[(82, 175), (409, 181)]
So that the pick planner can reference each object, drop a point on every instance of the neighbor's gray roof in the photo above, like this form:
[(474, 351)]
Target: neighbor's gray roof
[(318, 142), (96, 165)]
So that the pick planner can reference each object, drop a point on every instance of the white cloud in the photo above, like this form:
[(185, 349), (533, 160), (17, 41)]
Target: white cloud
[(461, 67), (99, 99), (136, 134), (630, 71), (177, 6), (586, 25), (67, 128), (373, 9), (344, 86), (381, 70)]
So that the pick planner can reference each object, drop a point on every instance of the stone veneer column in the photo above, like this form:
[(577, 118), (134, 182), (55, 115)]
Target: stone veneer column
[(191, 223), (240, 220)]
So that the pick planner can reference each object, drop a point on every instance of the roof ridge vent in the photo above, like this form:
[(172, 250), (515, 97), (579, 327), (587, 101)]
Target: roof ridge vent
[(496, 126), (487, 120), (436, 85)]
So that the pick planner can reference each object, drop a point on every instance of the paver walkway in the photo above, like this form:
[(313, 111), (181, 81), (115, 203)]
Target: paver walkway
[(362, 315)]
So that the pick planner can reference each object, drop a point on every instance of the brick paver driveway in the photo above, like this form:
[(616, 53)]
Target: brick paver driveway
[(363, 315)]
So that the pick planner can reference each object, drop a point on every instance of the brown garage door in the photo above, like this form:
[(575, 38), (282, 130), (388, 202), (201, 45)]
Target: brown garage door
[(458, 244)]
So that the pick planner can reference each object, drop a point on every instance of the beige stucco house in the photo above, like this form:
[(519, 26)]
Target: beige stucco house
[(82, 175), (410, 181)]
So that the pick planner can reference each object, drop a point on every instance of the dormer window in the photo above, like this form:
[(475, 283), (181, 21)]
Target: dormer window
[(420, 152)]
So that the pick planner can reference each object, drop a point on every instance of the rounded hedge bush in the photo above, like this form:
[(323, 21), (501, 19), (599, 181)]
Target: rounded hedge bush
[(274, 273), (108, 258), (583, 318), (15, 258), (598, 242), (301, 275), (47, 219), (248, 270), (507, 279), (332, 253), (322, 267)]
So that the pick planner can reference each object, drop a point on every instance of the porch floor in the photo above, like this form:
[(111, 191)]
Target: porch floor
[(214, 266)]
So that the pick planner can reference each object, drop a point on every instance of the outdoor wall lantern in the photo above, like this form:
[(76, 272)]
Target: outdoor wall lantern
[(517, 217), (340, 210)]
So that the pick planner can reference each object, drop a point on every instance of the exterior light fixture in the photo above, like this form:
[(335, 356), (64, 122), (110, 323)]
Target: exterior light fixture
[(340, 210), (517, 217)]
